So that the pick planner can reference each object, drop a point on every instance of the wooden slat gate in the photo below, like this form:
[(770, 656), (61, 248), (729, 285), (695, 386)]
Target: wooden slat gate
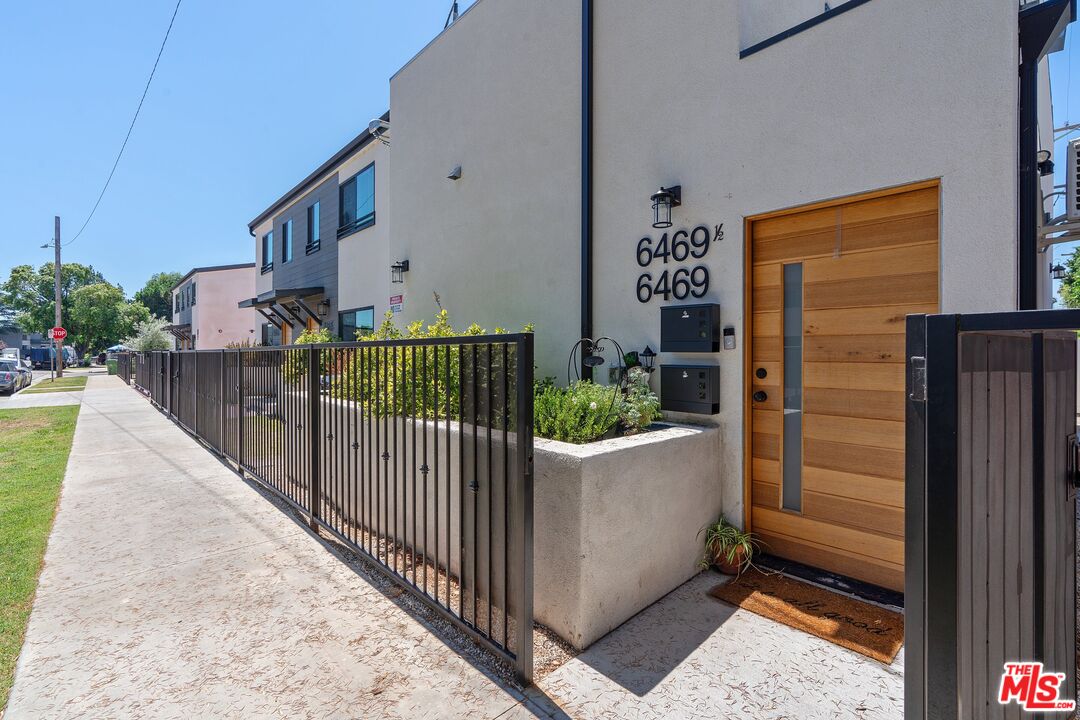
[(990, 507)]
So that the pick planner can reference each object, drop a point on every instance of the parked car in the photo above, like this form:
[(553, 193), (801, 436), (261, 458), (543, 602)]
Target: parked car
[(13, 376)]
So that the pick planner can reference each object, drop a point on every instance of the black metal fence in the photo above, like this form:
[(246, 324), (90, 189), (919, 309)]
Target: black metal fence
[(416, 453)]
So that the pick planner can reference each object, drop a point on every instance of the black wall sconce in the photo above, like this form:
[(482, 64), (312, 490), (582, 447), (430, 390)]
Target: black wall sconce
[(323, 308), (1057, 272), (662, 201), (1044, 163), (647, 358), (398, 270)]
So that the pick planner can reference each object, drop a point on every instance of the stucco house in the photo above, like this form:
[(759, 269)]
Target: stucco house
[(205, 313)]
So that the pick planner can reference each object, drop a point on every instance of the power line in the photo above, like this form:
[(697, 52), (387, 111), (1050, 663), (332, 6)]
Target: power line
[(130, 127)]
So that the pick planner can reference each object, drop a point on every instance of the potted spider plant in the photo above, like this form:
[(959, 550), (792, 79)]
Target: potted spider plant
[(728, 547)]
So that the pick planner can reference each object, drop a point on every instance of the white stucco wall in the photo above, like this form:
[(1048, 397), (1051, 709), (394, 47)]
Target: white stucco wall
[(840, 109), (498, 93), (364, 257), (886, 94)]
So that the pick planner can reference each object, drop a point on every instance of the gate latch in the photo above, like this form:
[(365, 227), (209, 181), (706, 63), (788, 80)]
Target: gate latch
[(918, 378)]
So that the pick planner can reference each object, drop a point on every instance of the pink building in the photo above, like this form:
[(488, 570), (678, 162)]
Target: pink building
[(205, 315)]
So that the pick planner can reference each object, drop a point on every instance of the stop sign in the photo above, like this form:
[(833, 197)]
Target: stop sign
[(58, 333)]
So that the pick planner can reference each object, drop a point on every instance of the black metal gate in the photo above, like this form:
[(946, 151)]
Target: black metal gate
[(991, 507), (416, 453)]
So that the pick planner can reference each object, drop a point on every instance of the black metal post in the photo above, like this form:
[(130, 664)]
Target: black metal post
[(221, 404), (941, 516), (523, 511), (314, 401), (240, 411), (195, 397)]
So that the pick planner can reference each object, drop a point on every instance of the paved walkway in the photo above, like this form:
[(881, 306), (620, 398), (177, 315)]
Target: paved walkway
[(172, 588)]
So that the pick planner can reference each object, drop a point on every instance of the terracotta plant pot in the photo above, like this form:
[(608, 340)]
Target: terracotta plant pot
[(733, 567)]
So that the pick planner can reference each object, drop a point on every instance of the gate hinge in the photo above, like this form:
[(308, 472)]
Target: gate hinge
[(918, 378)]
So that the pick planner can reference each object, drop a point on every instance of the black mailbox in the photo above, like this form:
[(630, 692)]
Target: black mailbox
[(690, 388), (690, 328)]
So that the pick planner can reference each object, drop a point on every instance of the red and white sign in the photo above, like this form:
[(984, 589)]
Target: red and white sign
[(57, 333), (397, 303), (1032, 689)]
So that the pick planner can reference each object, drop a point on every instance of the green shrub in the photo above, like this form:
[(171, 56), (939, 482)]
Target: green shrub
[(579, 414), (296, 363), (392, 380), (640, 407)]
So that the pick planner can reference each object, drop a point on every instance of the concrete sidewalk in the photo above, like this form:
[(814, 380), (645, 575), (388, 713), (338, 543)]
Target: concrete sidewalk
[(172, 588)]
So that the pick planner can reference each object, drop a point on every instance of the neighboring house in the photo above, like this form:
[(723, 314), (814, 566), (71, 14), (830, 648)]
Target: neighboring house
[(322, 249), (205, 312), (825, 174)]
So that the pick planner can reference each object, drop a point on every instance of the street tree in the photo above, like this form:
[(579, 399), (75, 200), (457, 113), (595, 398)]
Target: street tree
[(101, 316), (156, 295), (29, 293)]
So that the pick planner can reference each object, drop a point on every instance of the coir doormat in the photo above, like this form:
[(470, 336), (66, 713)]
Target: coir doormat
[(867, 629)]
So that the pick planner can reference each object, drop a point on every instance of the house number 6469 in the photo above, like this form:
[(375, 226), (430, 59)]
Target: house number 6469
[(681, 246)]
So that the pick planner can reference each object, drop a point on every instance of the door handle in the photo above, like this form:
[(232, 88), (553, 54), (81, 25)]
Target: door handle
[(760, 396), (761, 373)]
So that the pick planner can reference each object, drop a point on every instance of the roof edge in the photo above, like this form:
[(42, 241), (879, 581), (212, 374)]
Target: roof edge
[(355, 145), (210, 268)]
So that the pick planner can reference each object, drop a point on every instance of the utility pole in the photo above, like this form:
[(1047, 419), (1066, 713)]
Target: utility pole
[(59, 344)]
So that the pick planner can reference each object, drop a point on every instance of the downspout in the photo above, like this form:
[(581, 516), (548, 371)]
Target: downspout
[(1039, 25), (586, 182)]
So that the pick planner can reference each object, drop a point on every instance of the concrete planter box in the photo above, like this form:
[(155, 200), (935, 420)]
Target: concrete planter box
[(616, 524)]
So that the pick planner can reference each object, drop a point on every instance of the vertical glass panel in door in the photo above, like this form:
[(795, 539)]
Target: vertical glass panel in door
[(793, 355)]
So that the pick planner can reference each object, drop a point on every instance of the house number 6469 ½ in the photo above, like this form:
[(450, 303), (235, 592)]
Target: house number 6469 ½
[(681, 246)]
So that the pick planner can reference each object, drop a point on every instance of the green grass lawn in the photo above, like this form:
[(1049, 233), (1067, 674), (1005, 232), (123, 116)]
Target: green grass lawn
[(34, 447), (58, 385)]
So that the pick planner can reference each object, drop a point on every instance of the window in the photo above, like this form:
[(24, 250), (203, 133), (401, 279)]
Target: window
[(793, 358), (357, 206), (268, 251), (362, 320), (192, 294), (286, 241), (176, 302), (314, 238), (271, 335)]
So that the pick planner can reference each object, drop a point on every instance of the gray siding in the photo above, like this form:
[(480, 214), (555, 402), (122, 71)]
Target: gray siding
[(184, 316), (319, 269)]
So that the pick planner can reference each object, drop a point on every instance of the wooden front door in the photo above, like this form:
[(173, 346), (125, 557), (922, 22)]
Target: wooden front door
[(830, 287)]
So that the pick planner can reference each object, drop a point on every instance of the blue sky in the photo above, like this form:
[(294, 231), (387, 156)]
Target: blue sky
[(249, 98)]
